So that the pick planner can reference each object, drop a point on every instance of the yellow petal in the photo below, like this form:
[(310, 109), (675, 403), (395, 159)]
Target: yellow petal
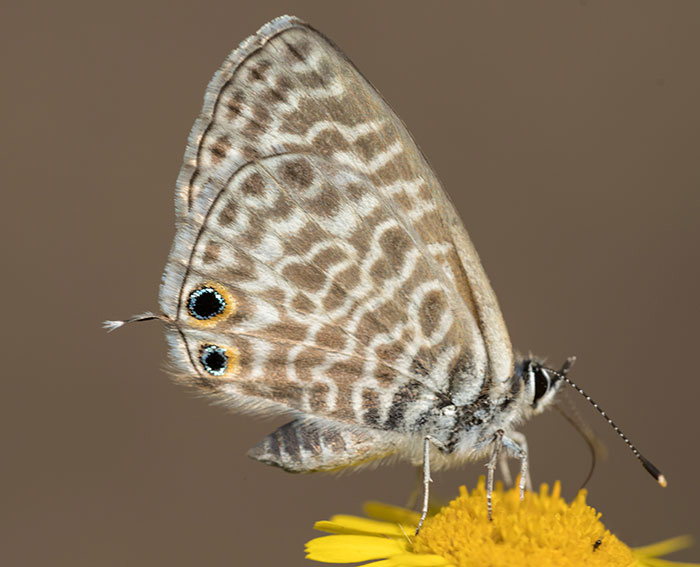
[(352, 548), (664, 547), (416, 560), (410, 560), (380, 563), (354, 525), (393, 514), (383, 563), (655, 562)]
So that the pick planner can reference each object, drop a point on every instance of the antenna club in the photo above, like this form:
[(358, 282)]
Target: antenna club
[(653, 471), (646, 463)]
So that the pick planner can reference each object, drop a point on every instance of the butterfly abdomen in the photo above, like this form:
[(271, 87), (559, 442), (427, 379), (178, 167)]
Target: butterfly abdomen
[(304, 446)]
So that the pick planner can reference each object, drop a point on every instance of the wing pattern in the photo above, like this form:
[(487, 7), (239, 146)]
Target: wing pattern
[(352, 291)]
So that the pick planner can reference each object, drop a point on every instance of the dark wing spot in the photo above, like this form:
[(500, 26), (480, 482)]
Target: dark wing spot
[(380, 270), (431, 311), (396, 244), (257, 73), (331, 337), (370, 406), (214, 360), (318, 397), (407, 394), (212, 251), (298, 174), (220, 148), (253, 185), (235, 105), (328, 142), (205, 303), (250, 153), (299, 51), (370, 145), (228, 214), (326, 203), (305, 276)]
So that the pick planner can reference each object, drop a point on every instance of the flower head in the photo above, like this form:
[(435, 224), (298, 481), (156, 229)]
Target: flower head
[(540, 531)]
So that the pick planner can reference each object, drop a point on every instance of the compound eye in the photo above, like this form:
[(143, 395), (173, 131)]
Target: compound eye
[(214, 359), (541, 385)]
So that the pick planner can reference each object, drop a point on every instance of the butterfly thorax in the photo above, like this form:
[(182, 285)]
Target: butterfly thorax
[(468, 431)]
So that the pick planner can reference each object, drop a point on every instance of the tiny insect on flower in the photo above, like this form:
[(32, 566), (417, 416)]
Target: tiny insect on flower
[(542, 530)]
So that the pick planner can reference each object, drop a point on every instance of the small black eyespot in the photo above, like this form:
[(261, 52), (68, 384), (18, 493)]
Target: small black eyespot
[(205, 303), (214, 360), (596, 545)]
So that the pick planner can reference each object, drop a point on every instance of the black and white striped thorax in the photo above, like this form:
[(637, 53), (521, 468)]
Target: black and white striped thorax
[(472, 426)]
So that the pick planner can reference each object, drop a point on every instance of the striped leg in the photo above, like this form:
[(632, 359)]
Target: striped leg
[(426, 483)]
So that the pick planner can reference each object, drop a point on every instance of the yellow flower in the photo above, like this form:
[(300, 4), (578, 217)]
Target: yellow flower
[(540, 531)]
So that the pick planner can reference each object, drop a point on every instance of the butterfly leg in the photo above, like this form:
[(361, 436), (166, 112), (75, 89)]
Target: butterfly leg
[(505, 469), (520, 442), (516, 449), (426, 482), (491, 468)]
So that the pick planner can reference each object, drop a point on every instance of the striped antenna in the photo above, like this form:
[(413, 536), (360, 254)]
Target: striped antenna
[(646, 463)]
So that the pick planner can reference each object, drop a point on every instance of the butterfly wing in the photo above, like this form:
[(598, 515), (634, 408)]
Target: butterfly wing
[(318, 266)]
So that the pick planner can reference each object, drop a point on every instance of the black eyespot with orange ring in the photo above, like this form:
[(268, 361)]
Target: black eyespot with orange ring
[(210, 303)]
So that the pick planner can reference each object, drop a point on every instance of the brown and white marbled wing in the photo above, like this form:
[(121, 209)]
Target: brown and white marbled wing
[(336, 307), (287, 91)]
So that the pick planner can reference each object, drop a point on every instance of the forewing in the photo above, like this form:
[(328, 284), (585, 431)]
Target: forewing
[(351, 281)]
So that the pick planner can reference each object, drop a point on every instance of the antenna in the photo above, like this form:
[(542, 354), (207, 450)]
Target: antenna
[(572, 416), (589, 442), (646, 463)]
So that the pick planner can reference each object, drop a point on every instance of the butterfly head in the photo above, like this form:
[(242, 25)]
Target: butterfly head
[(540, 384)]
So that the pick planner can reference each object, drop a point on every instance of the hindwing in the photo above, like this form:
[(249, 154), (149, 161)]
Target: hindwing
[(318, 266)]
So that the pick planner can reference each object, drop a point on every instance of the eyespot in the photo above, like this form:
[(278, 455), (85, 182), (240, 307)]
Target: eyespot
[(209, 303), (215, 360), (205, 303)]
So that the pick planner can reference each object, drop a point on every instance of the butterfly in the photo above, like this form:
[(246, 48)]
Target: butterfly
[(320, 270)]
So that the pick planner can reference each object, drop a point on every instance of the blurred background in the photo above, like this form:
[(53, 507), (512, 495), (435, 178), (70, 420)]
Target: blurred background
[(567, 133)]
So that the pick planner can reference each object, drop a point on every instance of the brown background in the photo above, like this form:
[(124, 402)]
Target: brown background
[(568, 133)]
